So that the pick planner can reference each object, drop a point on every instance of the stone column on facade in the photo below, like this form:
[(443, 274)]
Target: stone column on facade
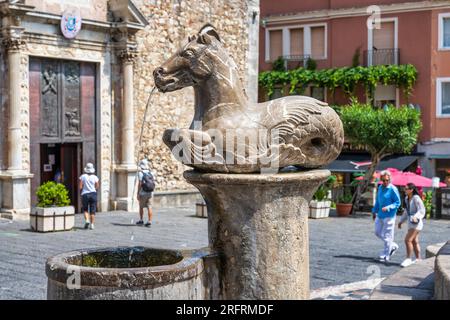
[(15, 202), (253, 18), (13, 47), (126, 171)]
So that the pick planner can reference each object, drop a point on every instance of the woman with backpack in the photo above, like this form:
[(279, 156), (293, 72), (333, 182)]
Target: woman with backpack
[(414, 214), (145, 192)]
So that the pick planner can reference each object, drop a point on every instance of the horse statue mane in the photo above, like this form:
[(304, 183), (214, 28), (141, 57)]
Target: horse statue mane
[(229, 134)]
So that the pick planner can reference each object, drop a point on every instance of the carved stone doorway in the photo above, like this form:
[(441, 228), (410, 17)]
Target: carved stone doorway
[(62, 122)]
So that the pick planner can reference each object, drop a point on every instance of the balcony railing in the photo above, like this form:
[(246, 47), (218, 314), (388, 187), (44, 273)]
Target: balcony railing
[(381, 57), (295, 61)]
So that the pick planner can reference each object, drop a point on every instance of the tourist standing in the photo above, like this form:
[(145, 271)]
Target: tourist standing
[(145, 192), (89, 184), (384, 213), (414, 214)]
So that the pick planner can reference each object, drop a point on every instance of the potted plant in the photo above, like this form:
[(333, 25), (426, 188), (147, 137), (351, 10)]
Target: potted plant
[(53, 212), (344, 204), (319, 207), (428, 203)]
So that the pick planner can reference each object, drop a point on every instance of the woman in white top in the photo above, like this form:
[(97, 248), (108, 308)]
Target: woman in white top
[(414, 213), (89, 184)]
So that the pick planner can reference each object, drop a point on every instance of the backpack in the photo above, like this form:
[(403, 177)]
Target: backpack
[(148, 183)]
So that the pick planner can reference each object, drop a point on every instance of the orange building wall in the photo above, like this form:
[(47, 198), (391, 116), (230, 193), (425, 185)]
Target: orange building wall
[(440, 67), (417, 41)]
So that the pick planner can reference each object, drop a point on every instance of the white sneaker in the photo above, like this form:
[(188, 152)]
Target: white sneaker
[(407, 262), (382, 258), (91, 226)]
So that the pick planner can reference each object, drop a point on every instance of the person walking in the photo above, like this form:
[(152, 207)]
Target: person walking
[(145, 192), (384, 213), (414, 214), (89, 184)]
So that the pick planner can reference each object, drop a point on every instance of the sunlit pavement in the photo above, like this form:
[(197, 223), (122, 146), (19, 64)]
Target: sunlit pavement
[(342, 250)]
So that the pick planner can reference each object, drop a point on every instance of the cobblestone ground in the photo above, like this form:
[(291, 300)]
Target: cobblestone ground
[(342, 250)]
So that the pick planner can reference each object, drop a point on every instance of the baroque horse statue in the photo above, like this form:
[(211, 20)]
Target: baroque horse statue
[(229, 134)]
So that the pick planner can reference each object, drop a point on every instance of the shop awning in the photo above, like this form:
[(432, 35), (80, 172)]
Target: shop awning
[(361, 162), (439, 156)]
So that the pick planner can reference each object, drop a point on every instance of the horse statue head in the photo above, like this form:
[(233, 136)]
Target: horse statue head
[(200, 59), (292, 130)]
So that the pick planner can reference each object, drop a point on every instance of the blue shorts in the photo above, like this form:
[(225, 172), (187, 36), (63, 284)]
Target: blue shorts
[(89, 202)]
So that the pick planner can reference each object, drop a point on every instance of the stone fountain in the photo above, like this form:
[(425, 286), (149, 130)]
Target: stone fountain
[(257, 213)]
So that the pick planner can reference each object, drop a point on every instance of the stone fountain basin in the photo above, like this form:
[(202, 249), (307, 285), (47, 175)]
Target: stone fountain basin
[(127, 273)]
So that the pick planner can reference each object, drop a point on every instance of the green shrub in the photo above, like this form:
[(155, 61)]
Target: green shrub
[(428, 203), (52, 194), (347, 197), (311, 64), (278, 65), (355, 59), (322, 192)]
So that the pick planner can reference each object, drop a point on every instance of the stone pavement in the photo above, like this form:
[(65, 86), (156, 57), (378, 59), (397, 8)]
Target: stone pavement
[(342, 250)]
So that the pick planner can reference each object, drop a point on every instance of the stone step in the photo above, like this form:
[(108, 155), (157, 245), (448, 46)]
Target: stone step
[(415, 282), (432, 250)]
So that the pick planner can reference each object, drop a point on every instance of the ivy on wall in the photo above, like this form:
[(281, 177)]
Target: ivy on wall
[(347, 78)]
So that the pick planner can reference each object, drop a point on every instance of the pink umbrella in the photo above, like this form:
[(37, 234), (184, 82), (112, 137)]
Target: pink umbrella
[(400, 178), (403, 178)]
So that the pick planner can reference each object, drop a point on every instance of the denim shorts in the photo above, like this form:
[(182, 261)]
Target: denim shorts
[(89, 202)]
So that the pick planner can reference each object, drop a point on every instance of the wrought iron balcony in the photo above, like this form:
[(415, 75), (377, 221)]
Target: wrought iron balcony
[(381, 57), (295, 61)]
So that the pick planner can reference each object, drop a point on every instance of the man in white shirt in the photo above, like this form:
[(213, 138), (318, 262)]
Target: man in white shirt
[(89, 184)]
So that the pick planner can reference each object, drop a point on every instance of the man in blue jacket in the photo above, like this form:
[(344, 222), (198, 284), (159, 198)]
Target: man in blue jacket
[(384, 213)]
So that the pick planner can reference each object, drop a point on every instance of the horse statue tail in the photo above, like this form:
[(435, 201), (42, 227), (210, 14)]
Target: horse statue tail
[(304, 131)]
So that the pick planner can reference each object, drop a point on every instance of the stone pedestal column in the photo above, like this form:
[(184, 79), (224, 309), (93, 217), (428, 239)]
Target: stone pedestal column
[(258, 224), (126, 171), (15, 182)]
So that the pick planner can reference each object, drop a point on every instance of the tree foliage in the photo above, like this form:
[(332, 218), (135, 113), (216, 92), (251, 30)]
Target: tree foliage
[(382, 131)]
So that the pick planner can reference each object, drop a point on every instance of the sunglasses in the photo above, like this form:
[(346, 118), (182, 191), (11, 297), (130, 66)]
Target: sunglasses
[(385, 180)]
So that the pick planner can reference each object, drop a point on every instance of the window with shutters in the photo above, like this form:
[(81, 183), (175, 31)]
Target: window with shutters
[(444, 31), (443, 97), (276, 44), (318, 42), (296, 43)]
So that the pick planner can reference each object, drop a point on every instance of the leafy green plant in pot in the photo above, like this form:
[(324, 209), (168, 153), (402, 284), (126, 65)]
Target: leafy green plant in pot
[(344, 204), (53, 211), (321, 203), (52, 194)]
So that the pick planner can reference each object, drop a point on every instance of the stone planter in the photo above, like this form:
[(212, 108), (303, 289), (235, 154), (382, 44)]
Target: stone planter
[(52, 219), (319, 209), (343, 209), (201, 210), (132, 273)]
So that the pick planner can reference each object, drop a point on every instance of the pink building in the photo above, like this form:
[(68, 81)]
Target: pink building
[(332, 32)]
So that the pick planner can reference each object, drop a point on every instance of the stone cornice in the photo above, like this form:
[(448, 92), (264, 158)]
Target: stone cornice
[(14, 9), (54, 40), (128, 26), (128, 55), (352, 12)]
